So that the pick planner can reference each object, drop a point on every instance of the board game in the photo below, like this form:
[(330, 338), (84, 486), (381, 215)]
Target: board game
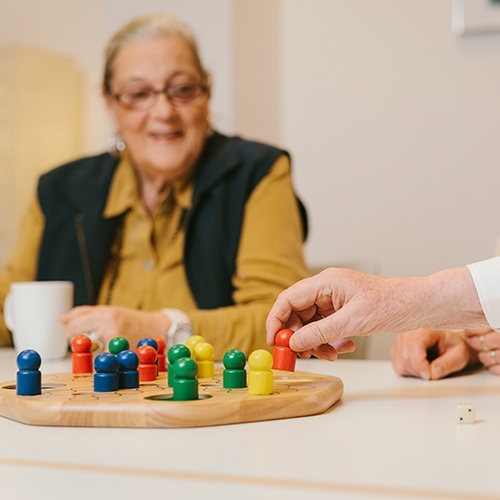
[(69, 400)]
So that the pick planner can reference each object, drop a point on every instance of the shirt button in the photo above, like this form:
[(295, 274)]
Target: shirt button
[(148, 265)]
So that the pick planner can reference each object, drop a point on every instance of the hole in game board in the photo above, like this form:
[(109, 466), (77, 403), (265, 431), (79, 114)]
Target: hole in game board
[(44, 387), (161, 397)]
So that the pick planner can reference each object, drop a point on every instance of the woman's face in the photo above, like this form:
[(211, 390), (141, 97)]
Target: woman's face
[(164, 141)]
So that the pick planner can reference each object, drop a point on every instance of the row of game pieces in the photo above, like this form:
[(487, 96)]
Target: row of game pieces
[(122, 368)]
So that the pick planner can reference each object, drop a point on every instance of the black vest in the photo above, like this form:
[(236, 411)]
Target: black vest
[(77, 238)]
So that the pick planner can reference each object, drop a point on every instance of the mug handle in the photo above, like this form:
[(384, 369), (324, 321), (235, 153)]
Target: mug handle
[(8, 315)]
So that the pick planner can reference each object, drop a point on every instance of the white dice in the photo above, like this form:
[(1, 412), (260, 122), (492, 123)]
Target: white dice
[(466, 414)]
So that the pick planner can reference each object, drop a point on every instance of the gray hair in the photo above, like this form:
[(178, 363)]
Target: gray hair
[(146, 28)]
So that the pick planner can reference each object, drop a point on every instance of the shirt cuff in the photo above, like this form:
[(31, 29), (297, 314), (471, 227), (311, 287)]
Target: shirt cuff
[(486, 276)]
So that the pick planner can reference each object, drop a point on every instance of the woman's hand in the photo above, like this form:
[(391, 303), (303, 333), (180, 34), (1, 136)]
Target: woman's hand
[(107, 322)]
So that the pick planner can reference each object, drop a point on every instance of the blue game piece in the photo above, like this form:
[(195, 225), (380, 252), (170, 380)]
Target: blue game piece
[(106, 376), (127, 360), (148, 341), (29, 377), (128, 375)]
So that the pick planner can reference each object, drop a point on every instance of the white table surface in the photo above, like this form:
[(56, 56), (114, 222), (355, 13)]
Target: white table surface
[(389, 437)]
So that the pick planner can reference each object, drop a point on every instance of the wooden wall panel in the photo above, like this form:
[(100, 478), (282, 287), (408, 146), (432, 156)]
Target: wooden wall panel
[(41, 126)]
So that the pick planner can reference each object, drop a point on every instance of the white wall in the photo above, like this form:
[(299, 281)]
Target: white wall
[(394, 124)]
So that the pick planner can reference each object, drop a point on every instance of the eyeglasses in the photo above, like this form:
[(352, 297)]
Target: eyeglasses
[(178, 94)]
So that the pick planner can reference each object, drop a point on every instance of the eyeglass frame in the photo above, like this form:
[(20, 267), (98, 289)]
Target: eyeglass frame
[(202, 87)]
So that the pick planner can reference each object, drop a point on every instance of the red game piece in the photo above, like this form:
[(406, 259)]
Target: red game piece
[(81, 359), (162, 345), (147, 363), (283, 357)]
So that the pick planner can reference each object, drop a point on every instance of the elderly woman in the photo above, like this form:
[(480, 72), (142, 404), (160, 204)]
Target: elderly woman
[(186, 230)]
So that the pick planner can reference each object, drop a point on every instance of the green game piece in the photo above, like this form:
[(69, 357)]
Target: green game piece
[(176, 352), (117, 345), (235, 375), (185, 382)]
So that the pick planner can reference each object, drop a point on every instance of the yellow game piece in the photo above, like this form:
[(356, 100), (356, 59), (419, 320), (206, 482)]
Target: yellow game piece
[(260, 376), (191, 342), (205, 359)]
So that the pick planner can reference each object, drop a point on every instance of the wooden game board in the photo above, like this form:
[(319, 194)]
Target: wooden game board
[(69, 400)]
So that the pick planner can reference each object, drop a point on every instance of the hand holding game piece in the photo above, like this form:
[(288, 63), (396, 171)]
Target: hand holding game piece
[(326, 309), (81, 357), (147, 363), (117, 345), (205, 359), (283, 357), (234, 376), (260, 376), (128, 374), (177, 351), (185, 382), (29, 377), (105, 376)]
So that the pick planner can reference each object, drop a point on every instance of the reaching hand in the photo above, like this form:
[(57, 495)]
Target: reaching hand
[(326, 309)]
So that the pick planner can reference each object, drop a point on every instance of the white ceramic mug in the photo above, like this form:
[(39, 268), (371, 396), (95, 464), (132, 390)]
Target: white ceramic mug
[(31, 312)]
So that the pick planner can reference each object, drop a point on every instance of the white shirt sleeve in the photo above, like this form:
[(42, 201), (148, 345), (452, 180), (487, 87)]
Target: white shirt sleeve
[(486, 276)]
